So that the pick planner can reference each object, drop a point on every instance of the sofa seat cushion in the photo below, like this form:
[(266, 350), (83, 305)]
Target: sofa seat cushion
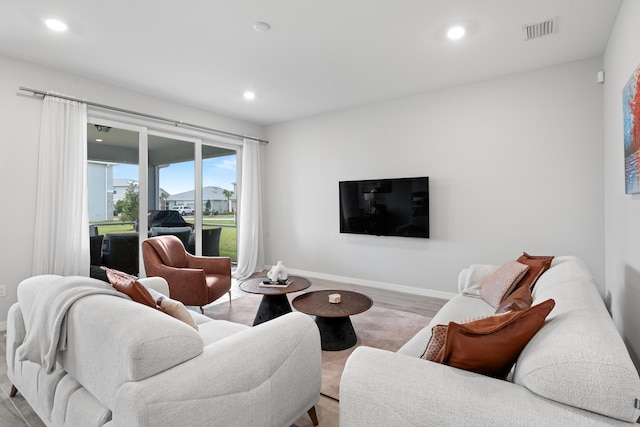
[(578, 358)]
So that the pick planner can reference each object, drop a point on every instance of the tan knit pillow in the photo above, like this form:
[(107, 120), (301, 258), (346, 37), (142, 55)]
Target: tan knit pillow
[(496, 286), (176, 309)]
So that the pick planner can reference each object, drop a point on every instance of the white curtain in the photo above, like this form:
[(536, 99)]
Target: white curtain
[(250, 227), (61, 241)]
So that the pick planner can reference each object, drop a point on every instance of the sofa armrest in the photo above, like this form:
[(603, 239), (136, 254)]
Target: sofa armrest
[(381, 388), (268, 375), (156, 283), (16, 333)]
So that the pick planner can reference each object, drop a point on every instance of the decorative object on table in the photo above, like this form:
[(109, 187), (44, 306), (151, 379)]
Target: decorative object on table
[(334, 298), (277, 284), (278, 272), (631, 129)]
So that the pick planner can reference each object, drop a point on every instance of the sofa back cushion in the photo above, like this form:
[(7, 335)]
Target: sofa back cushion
[(578, 358), (111, 341)]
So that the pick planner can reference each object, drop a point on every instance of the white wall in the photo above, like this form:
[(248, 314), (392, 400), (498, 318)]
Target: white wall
[(622, 212), (19, 133), (515, 164)]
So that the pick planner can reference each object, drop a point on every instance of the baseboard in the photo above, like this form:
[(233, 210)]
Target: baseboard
[(371, 284)]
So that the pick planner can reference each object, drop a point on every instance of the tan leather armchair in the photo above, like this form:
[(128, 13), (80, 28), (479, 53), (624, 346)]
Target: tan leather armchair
[(192, 280)]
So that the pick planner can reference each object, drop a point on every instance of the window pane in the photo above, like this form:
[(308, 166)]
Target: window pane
[(112, 176), (171, 181), (219, 202)]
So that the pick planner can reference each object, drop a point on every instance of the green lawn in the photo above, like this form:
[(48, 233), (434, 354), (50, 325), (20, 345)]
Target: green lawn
[(228, 236)]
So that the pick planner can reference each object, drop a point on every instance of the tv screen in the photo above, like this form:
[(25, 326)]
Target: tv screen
[(385, 207)]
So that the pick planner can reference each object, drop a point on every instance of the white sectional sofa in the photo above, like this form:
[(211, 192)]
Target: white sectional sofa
[(575, 371), (127, 364)]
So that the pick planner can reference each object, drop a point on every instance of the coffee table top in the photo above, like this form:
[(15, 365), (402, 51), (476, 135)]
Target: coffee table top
[(317, 303), (253, 286)]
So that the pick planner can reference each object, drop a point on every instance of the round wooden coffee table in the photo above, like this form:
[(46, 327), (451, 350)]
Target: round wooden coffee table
[(274, 300), (336, 329)]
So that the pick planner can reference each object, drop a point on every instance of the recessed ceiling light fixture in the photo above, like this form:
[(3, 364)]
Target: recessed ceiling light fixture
[(56, 25), (456, 33), (249, 96), (261, 27)]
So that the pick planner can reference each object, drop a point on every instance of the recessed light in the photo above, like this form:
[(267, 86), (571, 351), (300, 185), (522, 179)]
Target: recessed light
[(456, 33), (248, 95), (98, 140), (56, 25), (261, 27)]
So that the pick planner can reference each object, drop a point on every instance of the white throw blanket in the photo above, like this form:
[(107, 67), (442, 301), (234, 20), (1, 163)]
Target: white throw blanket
[(47, 332), (470, 278)]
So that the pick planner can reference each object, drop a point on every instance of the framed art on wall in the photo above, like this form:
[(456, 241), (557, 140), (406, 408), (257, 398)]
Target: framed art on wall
[(631, 117)]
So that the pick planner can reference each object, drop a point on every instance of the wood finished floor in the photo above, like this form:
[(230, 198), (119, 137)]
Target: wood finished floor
[(17, 412)]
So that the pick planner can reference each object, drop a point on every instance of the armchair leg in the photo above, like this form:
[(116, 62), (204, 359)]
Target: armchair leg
[(201, 310), (313, 415), (229, 296), (13, 391)]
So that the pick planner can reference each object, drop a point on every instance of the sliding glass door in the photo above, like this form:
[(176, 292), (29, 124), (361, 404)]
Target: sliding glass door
[(190, 188), (113, 197)]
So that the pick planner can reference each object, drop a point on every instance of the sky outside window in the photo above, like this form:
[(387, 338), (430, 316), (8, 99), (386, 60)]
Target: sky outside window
[(178, 177)]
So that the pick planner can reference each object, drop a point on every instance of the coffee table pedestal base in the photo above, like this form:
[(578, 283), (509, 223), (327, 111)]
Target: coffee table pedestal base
[(272, 306), (336, 333)]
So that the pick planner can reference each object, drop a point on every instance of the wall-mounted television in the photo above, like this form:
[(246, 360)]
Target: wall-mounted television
[(385, 207)]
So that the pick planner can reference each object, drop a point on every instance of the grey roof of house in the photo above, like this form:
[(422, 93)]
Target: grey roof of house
[(208, 193), (123, 182)]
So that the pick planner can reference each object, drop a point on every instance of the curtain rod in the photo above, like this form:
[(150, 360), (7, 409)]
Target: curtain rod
[(148, 116)]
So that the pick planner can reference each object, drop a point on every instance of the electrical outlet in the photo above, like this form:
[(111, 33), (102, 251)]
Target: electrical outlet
[(3, 290)]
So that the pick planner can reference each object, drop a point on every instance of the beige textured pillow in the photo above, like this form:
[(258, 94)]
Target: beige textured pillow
[(498, 285), (176, 309)]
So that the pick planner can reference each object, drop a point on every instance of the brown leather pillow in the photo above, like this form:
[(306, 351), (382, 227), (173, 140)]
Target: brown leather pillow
[(129, 285), (491, 346), (518, 300), (537, 266)]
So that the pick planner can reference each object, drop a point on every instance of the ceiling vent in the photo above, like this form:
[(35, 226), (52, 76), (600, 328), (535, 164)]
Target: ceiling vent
[(534, 31)]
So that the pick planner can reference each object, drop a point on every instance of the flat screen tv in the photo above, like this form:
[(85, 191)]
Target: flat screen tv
[(385, 207)]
